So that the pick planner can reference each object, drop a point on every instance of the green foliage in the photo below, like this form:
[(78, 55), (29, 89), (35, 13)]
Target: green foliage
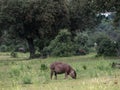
[(81, 39), (106, 47), (84, 67), (3, 48), (22, 67), (14, 54), (15, 72), (43, 19), (43, 67), (102, 67), (79, 9), (9, 43), (62, 45), (81, 43), (32, 19), (27, 80), (29, 67), (100, 37)]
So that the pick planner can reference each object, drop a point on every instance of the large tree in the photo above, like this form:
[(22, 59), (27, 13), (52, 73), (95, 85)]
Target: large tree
[(33, 18)]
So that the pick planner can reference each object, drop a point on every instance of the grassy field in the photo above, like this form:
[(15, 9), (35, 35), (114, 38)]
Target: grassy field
[(92, 73)]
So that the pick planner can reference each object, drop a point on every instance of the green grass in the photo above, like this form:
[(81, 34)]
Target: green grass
[(92, 73)]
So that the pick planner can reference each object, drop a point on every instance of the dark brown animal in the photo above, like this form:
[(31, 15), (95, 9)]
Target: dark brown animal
[(115, 65), (60, 68), (21, 49)]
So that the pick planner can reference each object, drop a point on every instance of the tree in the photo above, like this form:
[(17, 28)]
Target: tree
[(82, 15), (60, 14), (32, 18), (108, 6)]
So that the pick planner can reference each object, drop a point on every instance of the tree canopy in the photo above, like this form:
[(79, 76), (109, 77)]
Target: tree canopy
[(43, 19)]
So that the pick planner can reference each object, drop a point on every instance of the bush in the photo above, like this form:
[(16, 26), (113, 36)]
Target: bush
[(84, 67), (81, 43), (43, 67), (81, 39), (107, 47), (27, 80), (14, 54), (3, 48), (62, 45)]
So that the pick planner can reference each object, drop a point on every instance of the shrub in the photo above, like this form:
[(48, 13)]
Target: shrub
[(14, 54), (84, 67), (3, 48), (27, 80), (62, 45), (81, 39), (107, 47), (43, 67), (81, 43)]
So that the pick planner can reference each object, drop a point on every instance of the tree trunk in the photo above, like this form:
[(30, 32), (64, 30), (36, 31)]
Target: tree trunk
[(31, 47)]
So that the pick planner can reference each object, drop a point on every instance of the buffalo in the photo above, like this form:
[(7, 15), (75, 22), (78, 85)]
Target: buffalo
[(60, 68), (115, 65), (21, 49)]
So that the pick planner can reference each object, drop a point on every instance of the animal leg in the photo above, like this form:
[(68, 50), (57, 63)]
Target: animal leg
[(55, 75), (51, 74), (66, 75)]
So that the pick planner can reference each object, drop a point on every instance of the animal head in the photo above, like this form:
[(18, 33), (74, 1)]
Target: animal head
[(73, 74)]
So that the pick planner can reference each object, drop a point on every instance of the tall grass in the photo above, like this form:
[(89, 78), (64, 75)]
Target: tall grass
[(92, 73)]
